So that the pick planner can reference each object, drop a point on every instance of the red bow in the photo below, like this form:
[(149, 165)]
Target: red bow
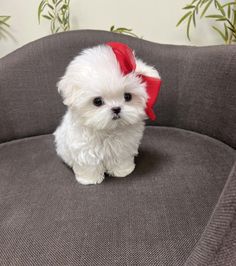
[(125, 57)]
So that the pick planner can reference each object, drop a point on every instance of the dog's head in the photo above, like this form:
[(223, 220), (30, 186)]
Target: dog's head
[(98, 93)]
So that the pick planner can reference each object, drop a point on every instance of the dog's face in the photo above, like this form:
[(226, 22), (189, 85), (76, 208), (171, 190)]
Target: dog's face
[(99, 95)]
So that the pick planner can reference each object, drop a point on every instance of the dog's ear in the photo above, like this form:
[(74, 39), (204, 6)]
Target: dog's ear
[(67, 90), (145, 69)]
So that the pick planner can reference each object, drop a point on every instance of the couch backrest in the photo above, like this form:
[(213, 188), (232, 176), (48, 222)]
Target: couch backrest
[(198, 91)]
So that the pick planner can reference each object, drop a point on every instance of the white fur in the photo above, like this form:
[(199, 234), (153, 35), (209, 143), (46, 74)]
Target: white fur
[(88, 139)]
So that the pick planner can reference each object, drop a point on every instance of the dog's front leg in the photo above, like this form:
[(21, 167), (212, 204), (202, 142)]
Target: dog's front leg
[(122, 168), (89, 174)]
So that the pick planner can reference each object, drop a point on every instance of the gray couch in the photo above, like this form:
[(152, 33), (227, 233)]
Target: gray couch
[(179, 205)]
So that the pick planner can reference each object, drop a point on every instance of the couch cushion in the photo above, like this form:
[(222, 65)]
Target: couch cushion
[(153, 217)]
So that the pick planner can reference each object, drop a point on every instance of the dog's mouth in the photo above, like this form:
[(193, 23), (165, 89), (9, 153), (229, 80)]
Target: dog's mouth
[(115, 117)]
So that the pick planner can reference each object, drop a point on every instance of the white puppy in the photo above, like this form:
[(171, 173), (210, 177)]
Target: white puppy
[(104, 122)]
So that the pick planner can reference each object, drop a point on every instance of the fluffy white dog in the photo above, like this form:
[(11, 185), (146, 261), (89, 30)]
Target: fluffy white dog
[(104, 122)]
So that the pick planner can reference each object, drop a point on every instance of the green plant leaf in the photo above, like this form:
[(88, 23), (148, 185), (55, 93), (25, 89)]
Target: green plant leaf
[(47, 17), (4, 23), (40, 9), (203, 2), (197, 6), (50, 15), (124, 29), (232, 29), (58, 3), (214, 16), (226, 32), (220, 7), (221, 19), (220, 32), (189, 7), (206, 8), (4, 33), (64, 7), (229, 4), (59, 19), (4, 18), (183, 18), (230, 23), (53, 26), (188, 27), (194, 19), (215, 3), (50, 6), (229, 11)]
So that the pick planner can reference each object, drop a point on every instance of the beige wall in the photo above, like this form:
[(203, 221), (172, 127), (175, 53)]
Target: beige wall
[(155, 20)]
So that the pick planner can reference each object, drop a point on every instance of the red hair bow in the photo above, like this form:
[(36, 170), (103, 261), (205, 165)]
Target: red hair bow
[(126, 60)]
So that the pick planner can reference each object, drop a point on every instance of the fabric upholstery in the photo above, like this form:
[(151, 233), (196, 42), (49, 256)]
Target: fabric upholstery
[(153, 217), (217, 245), (198, 91)]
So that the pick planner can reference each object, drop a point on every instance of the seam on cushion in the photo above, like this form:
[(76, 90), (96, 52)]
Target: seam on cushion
[(22, 139), (227, 233), (215, 141), (197, 257)]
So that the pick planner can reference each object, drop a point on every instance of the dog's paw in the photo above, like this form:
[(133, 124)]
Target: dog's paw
[(122, 170), (89, 181), (89, 175)]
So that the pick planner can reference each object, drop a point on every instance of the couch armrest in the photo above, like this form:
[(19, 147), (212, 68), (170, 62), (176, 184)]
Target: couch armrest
[(217, 243)]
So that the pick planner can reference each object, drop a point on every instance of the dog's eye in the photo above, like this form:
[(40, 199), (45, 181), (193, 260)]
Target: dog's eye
[(98, 101), (128, 97)]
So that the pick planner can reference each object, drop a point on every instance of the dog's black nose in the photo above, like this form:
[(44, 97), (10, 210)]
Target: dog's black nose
[(116, 110)]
